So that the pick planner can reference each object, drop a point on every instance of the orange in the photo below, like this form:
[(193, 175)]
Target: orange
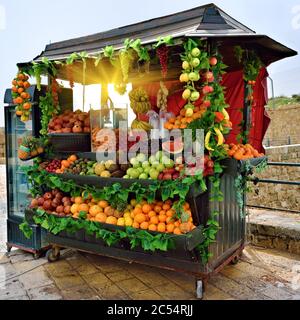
[(154, 220), (183, 112), (94, 210), (172, 120), (140, 218), (169, 202), (109, 211), (152, 227), (177, 224), (160, 203), (78, 200), (186, 206), (189, 120), (112, 220), (72, 158), (161, 227), (83, 207), (166, 207), (177, 231), (144, 226), (20, 90), (146, 208), (137, 211), (163, 212), (65, 163), (183, 126), (170, 220), (162, 218), (170, 228), (19, 113), (176, 127), (132, 215), (103, 204), (170, 213), (185, 227), (152, 214), (101, 217), (157, 209), (26, 106), (74, 208), (136, 225)]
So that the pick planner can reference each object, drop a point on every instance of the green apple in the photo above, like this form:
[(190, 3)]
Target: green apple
[(135, 174), (196, 52), (146, 164), (193, 76), (147, 170), (141, 158), (195, 62), (154, 174), (141, 170), (160, 168), (129, 171), (166, 160), (170, 165), (185, 65), (195, 96), (159, 155), (152, 159), (126, 177), (155, 164), (134, 161), (143, 176)]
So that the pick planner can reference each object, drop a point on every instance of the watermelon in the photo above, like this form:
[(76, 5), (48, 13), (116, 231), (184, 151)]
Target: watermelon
[(173, 147)]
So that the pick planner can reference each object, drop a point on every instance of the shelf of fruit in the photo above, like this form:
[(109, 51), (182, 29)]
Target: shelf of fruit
[(157, 217)]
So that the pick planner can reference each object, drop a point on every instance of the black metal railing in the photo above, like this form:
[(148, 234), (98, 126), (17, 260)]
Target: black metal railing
[(282, 182), (290, 140)]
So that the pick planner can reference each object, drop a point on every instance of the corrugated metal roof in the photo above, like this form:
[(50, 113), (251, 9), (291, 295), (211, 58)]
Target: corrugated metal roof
[(204, 21)]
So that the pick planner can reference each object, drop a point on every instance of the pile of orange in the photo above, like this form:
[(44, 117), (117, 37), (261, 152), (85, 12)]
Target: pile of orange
[(21, 98), (65, 164), (181, 121), (243, 152), (158, 216)]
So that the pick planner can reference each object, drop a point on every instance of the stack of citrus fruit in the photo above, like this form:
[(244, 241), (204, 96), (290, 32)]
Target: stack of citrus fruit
[(182, 121), (158, 216)]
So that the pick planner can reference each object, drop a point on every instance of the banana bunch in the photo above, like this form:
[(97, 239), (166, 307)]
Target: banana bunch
[(141, 125), (139, 101), (221, 139), (162, 97)]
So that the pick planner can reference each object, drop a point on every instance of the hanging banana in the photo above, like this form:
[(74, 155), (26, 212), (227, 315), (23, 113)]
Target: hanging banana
[(221, 139), (226, 115), (207, 140)]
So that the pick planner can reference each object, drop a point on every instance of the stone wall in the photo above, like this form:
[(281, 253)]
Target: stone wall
[(284, 128), (279, 196), (2, 146)]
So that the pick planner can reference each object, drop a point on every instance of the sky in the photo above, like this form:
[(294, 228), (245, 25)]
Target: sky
[(26, 29)]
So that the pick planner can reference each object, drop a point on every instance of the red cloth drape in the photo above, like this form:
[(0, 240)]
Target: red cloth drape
[(234, 94)]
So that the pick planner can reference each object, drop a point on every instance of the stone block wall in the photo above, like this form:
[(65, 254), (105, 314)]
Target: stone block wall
[(284, 128), (278, 196)]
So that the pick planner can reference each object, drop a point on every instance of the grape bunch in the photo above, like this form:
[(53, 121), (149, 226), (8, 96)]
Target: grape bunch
[(162, 53), (126, 60)]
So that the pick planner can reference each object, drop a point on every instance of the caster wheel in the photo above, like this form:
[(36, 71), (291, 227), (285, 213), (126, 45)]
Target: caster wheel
[(51, 256), (199, 289), (235, 261), (36, 256)]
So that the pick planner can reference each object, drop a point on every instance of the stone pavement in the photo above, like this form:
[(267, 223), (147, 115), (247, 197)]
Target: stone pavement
[(262, 274)]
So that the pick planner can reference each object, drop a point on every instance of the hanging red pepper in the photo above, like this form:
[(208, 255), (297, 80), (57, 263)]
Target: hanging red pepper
[(219, 117)]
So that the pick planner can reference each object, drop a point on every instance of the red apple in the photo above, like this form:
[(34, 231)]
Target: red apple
[(213, 61)]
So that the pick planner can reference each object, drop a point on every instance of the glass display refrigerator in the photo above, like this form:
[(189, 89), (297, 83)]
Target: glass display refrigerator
[(18, 197)]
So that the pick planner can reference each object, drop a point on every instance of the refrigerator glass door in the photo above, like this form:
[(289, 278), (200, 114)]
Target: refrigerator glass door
[(18, 194)]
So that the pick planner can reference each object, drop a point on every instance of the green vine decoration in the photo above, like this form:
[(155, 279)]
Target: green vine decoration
[(48, 110), (137, 238)]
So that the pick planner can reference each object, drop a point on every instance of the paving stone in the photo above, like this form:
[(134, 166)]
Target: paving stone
[(81, 293), (12, 290), (119, 276), (274, 293), (4, 258), (26, 266), (59, 268), (8, 271), (110, 291), (152, 279), (186, 282), (21, 258), (35, 279), (171, 291), (105, 264), (20, 298), (49, 292), (149, 294), (132, 285), (96, 280), (71, 280), (213, 293), (82, 265)]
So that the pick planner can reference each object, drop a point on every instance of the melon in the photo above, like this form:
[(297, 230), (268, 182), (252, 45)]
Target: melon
[(173, 147)]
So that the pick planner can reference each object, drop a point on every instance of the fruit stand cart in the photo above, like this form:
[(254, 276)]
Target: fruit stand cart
[(166, 206)]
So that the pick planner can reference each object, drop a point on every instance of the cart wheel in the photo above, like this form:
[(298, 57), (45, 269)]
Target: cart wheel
[(199, 289), (8, 248), (235, 260), (36, 256), (52, 256)]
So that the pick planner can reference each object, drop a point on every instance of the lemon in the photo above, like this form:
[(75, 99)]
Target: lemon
[(128, 222)]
